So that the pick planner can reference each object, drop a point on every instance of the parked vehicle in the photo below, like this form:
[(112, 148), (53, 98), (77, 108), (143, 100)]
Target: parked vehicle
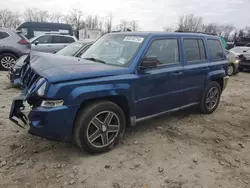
[(233, 60), (12, 45), (244, 55), (75, 49), (242, 41), (33, 29), (92, 100), (51, 43)]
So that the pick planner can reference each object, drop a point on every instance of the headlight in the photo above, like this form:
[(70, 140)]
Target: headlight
[(237, 61), (52, 103), (42, 87)]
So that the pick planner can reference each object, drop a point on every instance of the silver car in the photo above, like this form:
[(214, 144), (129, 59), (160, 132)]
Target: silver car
[(12, 46), (51, 43)]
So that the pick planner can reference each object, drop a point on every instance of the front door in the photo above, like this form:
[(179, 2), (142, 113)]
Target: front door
[(160, 89)]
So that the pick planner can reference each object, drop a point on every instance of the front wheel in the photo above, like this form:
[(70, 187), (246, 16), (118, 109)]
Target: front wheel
[(210, 98), (99, 127)]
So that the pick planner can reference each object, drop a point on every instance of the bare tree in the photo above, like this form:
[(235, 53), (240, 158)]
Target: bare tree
[(42, 15), (9, 19), (168, 29), (108, 22), (75, 18), (134, 25), (56, 17), (36, 15), (190, 23)]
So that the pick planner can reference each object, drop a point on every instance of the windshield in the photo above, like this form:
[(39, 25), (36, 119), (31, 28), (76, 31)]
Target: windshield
[(71, 49), (114, 49)]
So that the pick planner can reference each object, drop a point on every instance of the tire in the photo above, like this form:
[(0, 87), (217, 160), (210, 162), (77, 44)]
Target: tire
[(204, 106), (236, 72), (230, 70), (86, 133), (7, 60)]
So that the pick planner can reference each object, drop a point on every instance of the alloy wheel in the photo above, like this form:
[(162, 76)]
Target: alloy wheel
[(230, 70), (103, 129), (212, 98), (7, 62)]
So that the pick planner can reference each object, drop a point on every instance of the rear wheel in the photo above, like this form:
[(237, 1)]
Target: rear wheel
[(99, 127), (210, 98), (7, 60)]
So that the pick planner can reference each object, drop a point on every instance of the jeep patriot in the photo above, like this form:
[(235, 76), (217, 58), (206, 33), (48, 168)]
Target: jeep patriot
[(123, 78)]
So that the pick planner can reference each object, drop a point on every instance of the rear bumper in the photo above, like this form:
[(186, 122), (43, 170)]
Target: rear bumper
[(225, 82)]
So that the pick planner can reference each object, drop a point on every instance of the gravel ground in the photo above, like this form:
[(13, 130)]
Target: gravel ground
[(180, 150)]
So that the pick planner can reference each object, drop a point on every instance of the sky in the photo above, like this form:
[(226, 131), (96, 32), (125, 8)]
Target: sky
[(152, 15)]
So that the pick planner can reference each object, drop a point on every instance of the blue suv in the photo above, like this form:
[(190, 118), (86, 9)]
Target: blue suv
[(123, 78)]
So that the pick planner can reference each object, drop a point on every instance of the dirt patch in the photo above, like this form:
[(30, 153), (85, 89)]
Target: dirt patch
[(181, 150)]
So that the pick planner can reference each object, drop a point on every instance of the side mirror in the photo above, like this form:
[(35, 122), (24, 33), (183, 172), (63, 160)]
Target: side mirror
[(149, 62), (36, 42)]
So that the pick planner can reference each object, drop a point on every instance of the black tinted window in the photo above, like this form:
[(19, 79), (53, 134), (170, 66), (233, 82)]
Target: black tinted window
[(192, 49), (4, 35), (215, 49), (43, 40), (166, 51), (62, 39)]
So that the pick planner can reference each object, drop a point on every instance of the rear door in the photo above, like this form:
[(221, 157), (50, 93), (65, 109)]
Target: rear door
[(59, 42), (196, 68)]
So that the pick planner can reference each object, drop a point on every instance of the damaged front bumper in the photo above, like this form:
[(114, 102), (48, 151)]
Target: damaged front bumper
[(17, 110), (51, 123)]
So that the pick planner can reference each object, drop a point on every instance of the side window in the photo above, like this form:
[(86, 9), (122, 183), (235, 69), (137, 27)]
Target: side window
[(4, 35), (194, 50), (62, 39), (215, 48), (166, 51), (43, 40)]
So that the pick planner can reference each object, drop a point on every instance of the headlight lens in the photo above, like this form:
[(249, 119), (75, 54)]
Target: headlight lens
[(237, 61), (52, 103), (42, 88)]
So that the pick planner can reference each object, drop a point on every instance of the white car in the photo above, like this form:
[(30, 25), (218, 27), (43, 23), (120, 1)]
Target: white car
[(51, 43)]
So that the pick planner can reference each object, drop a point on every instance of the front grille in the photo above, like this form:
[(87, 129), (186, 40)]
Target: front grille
[(28, 76)]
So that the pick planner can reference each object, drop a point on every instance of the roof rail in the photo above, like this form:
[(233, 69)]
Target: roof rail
[(196, 32)]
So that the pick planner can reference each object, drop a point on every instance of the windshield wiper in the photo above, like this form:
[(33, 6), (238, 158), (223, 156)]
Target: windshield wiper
[(95, 60)]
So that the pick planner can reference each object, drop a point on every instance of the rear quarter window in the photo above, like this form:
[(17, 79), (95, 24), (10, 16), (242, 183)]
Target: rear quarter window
[(215, 49), (3, 35)]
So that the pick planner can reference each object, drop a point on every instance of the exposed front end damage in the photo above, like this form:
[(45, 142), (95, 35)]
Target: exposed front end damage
[(32, 108)]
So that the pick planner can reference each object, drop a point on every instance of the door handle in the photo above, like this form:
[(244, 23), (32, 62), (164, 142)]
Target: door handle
[(49, 45), (177, 73)]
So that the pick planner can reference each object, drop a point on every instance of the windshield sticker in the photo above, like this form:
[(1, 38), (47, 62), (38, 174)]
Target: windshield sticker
[(121, 60), (133, 39)]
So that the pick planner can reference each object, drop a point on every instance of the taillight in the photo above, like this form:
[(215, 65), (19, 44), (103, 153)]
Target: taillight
[(23, 42)]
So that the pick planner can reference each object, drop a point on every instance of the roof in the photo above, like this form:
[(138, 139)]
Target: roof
[(161, 33)]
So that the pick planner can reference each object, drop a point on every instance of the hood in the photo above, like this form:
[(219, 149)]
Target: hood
[(57, 68)]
